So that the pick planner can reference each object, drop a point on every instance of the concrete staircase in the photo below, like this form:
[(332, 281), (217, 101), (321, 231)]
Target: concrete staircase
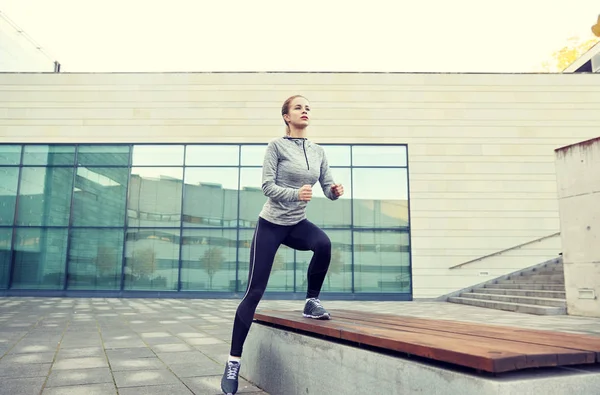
[(539, 290)]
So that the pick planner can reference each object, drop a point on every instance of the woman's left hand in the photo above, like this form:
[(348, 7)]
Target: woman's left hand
[(337, 189)]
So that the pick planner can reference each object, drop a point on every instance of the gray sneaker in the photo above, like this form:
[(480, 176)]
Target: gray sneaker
[(229, 382), (314, 309)]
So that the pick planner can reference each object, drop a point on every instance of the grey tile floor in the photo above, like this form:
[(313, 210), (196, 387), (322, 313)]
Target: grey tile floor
[(103, 346)]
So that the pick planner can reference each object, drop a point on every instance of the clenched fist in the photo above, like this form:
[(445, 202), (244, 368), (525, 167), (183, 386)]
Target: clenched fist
[(337, 189), (305, 193)]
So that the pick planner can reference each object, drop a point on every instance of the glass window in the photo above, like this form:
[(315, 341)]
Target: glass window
[(9, 177), (252, 197), (379, 155), (327, 213), (339, 274), (49, 155), (381, 261), (45, 196), (164, 155), (337, 155), (152, 259), (95, 259), (212, 155), (103, 155), (10, 154), (155, 196), (210, 197), (40, 257), (208, 260), (99, 196), (380, 198), (5, 248), (253, 155)]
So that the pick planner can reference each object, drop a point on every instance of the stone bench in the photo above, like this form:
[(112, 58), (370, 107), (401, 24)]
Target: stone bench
[(365, 353)]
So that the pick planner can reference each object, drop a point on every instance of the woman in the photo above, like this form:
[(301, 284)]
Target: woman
[(292, 165)]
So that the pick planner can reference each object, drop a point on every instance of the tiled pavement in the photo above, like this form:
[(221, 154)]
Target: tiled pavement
[(72, 346)]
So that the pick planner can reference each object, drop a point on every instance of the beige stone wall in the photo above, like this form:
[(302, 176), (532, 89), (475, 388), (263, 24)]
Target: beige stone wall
[(481, 147), (578, 180)]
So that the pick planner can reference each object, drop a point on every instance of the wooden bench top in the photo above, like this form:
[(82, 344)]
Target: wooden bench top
[(489, 348)]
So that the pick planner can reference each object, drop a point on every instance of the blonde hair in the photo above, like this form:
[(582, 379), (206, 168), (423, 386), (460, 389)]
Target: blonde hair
[(285, 109)]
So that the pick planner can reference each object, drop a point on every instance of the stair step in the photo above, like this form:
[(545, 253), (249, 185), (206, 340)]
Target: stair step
[(516, 299), (532, 280), (506, 306), (540, 287), (539, 277), (523, 292)]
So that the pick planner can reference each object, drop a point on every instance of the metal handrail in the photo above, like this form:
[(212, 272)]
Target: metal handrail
[(505, 250)]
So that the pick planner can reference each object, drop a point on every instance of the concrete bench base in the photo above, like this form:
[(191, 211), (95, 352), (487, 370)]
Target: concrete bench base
[(282, 362)]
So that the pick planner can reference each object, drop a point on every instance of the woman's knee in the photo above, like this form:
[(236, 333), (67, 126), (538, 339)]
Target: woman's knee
[(323, 244)]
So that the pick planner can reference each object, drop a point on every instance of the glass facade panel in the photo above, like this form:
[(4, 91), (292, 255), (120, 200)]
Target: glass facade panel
[(339, 275), (39, 258), (10, 154), (99, 196), (208, 260), (253, 155), (377, 207), (381, 261), (5, 254), (49, 155), (155, 197), (45, 196), (9, 179), (379, 155), (210, 197), (103, 155), (332, 213), (120, 217), (212, 155), (152, 259), (95, 257), (157, 155)]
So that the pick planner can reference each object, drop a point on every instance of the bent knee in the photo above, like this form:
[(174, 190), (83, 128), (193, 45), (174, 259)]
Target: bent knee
[(323, 244)]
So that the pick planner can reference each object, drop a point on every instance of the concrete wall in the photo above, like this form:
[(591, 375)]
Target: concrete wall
[(482, 173), (578, 178)]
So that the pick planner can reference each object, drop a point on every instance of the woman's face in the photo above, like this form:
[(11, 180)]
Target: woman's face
[(298, 114)]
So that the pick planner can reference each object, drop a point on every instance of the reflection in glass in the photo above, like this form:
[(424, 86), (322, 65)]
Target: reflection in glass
[(99, 196), (161, 155), (49, 155), (210, 197), (208, 260), (212, 155), (45, 196), (9, 177), (5, 245), (381, 261), (155, 196), (95, 257), (339, 275), (10, 154), (380, 198), (152, 259), (39, 258), (327, 213), (379, 155), (103, 155), (252, 197), (253, 155), (337, 155)]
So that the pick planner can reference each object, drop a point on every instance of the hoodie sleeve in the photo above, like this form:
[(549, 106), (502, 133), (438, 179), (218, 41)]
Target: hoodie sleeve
[(270, 189), (326, 179)]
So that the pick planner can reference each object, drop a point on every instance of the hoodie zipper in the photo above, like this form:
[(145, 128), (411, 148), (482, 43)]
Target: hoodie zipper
[(305, 157)]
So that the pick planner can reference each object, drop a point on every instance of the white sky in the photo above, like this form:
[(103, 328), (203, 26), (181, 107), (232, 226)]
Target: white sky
[(307, 35)]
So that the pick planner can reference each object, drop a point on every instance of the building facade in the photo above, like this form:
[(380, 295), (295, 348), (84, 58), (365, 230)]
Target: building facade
[(149, 184)]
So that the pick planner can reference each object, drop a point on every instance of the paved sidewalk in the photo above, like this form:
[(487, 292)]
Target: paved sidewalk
[(70, 346)]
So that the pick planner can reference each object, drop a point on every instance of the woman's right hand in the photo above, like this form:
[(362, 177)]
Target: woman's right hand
[(305, 193)]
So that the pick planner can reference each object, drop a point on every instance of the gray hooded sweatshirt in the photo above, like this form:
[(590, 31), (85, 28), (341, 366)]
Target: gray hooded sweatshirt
[(289, 164)]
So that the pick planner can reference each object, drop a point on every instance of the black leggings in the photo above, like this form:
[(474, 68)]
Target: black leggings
[(304, 236)]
